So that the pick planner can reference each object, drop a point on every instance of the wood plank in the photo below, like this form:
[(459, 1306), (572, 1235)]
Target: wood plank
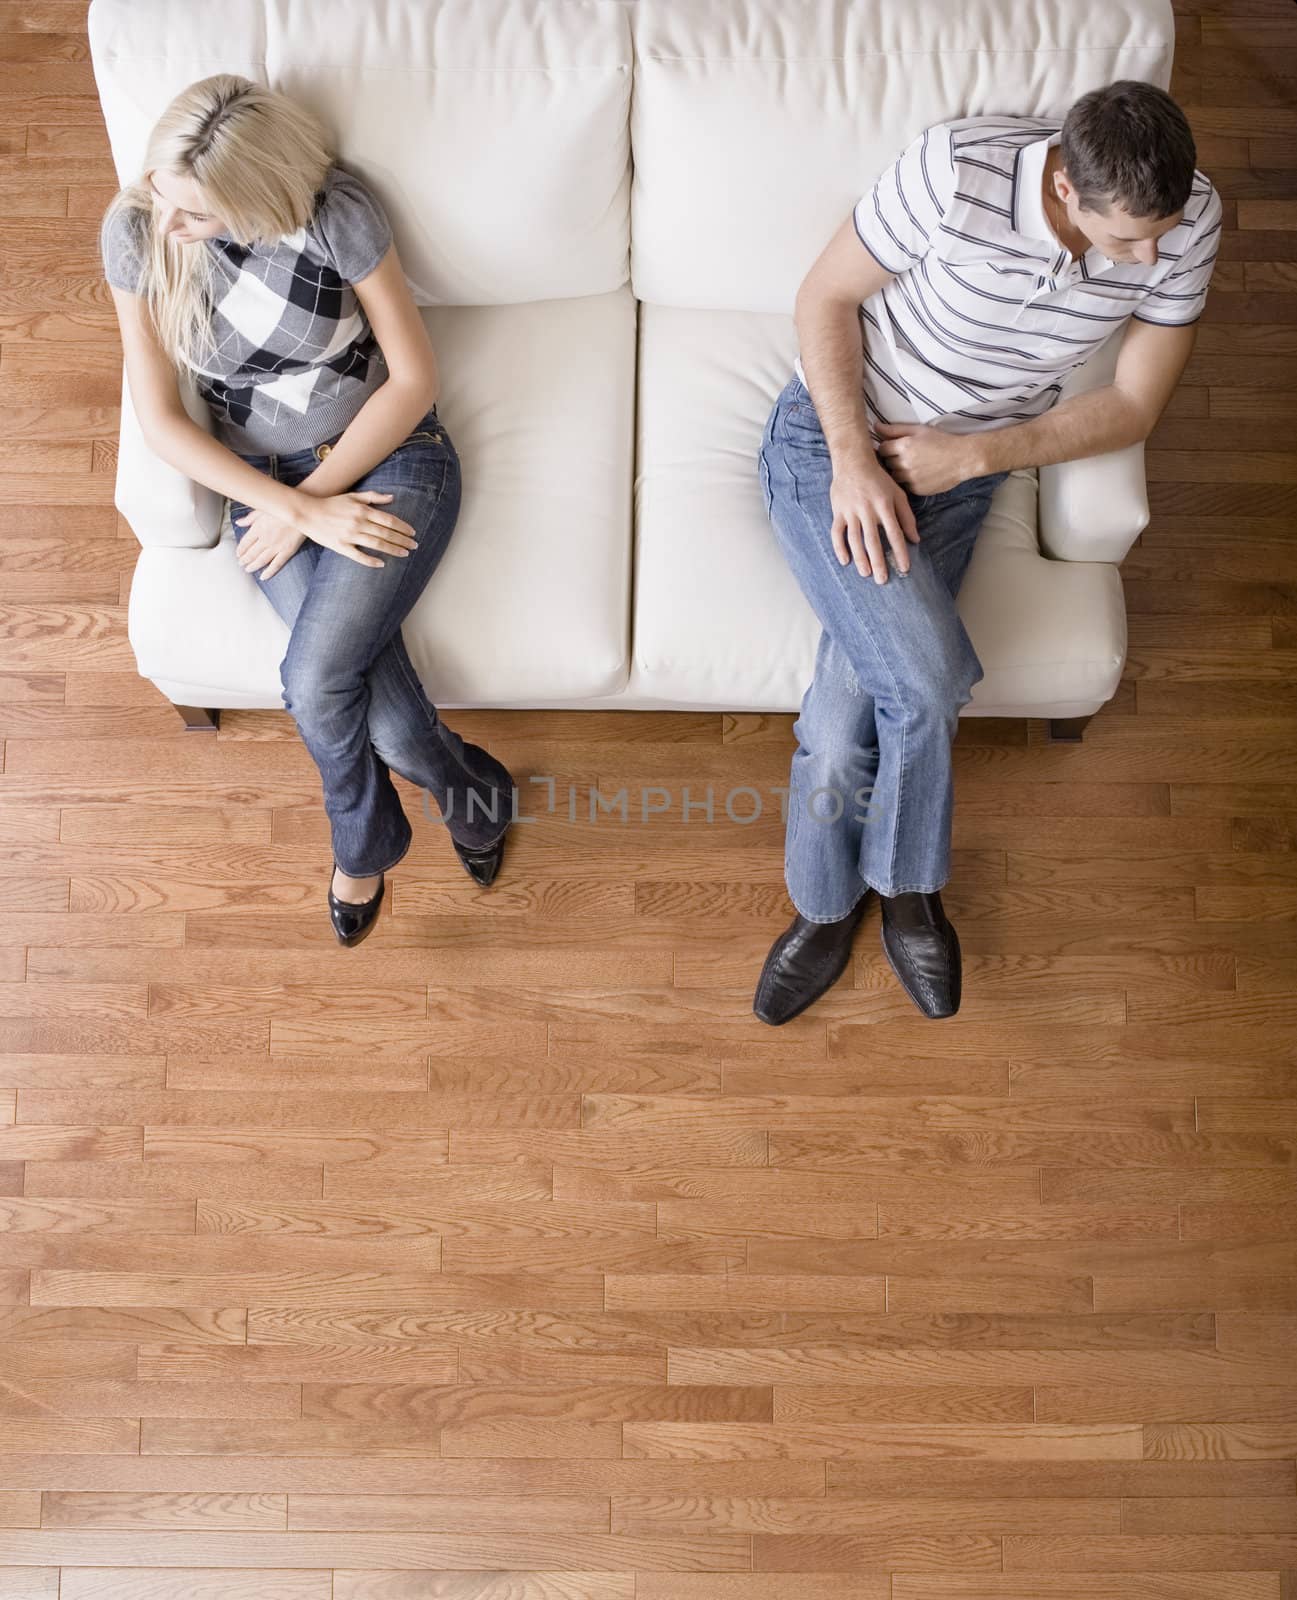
[(543, 1586), (938, 1478), (993, 1441), (1186, 1552), (200, 1511), (78, 1547), (1271, 1514), (1088, 1586), (1197, 1441), (190, 1583), (29, 1583)]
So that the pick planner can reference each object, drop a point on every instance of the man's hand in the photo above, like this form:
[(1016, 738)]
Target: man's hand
[(863, 495), (926, 460), (267, 543)]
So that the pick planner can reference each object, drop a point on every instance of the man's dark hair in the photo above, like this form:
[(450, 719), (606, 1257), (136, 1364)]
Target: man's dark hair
[(1128, 143)]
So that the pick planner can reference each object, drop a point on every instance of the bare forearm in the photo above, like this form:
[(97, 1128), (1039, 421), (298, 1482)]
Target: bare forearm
[(829, 336), (191, 450), (384, 420), (1086, 425), (377, 428)]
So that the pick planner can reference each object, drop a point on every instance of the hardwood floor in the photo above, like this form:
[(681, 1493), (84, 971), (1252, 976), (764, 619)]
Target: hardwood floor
[(506, 1256)]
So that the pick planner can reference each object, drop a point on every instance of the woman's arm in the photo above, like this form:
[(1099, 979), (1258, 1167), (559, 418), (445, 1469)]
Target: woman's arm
[(173, 434), (395, 406), (373, 433)]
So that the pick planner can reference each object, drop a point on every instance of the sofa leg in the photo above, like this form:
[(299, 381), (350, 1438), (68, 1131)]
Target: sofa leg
[(1067, 730), (199, 719)]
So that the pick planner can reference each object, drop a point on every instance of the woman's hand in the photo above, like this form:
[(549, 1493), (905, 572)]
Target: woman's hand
[(267, 542), (351, 523)]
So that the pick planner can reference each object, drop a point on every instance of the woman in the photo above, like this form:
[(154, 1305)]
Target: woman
[(246, 255)]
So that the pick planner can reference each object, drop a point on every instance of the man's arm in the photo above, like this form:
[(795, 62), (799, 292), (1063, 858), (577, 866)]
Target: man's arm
[(827, 314), (864, 497), (889, 231), (1149, 363)]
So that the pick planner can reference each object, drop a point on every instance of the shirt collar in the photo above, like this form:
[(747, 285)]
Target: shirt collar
[(1028, 203), (1029, 211)]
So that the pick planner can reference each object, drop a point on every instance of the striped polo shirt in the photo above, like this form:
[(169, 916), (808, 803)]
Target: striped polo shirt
[(988, 312)]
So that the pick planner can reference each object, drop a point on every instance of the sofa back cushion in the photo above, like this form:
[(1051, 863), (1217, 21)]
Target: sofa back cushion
[(757, 124), (494, 132)]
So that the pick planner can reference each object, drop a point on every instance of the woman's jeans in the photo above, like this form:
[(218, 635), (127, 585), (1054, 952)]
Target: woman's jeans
[(347, 679), (871, 789)]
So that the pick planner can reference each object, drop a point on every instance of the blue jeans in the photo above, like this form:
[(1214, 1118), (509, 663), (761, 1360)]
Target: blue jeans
[(347, 679), (871, 787)]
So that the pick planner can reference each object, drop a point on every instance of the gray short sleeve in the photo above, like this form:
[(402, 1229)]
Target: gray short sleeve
[(352, 225), (122, 245)]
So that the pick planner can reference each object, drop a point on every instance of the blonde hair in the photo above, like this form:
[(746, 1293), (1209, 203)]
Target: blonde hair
[(259, 157)]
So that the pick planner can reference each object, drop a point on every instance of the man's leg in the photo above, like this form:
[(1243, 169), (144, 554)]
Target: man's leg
[(829, 789), (835, 765), (911, 664)]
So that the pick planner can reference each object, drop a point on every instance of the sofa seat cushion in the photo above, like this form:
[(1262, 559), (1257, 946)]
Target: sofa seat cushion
[(719, 619), (532, 599)]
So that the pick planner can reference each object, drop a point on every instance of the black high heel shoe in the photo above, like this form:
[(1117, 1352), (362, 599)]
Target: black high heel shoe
[(351, 922), (482, 863)]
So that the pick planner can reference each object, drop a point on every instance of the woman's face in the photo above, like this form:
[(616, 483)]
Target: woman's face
[(182, 211)]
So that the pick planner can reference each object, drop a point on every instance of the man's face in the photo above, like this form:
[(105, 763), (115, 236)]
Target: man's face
[(181, 209), (1117, 234)]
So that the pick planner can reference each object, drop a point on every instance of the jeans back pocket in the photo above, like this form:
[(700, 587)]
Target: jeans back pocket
[(800, 427)]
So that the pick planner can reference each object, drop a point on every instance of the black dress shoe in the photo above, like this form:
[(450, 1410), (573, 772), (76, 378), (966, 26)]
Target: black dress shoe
[(806, 959), (482, 863), (351, 922), (922, 947)]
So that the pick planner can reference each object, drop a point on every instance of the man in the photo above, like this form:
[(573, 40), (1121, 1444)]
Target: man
[(990, 260)]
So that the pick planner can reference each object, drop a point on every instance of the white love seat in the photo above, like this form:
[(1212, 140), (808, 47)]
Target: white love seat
[(605, 208)]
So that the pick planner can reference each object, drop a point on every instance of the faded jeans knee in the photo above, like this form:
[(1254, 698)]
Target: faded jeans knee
[(322, 704)]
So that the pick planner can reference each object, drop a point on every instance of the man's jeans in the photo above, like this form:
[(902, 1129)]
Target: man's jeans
[(347, 679), (871, 788)]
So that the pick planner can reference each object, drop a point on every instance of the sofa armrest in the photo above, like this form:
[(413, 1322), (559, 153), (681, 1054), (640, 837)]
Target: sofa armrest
[(1094, 508), (162, 505)]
